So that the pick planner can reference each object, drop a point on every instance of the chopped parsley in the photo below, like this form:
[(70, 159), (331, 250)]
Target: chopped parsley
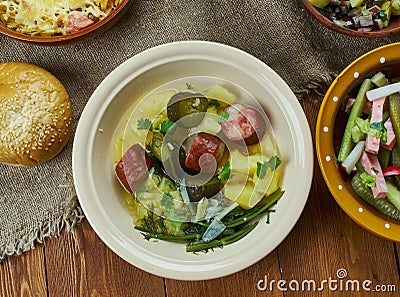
[(223, 117), (261, 170), (225, 172), (144, 124), (272, 163), (167, 126)]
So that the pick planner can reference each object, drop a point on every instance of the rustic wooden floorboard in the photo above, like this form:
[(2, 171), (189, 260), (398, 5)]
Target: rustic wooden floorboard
[(243, 283), (24, 275), (326, 243), (323, 241), (81, 265)]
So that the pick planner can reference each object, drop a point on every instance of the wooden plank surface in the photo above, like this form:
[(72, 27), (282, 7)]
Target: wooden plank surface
[(24, 275), (324, 242), (80, 264)]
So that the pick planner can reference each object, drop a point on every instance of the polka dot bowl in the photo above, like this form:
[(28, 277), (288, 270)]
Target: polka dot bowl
[(330, 127)]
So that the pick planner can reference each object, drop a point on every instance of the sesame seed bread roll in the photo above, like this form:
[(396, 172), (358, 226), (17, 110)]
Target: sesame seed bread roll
[(35, 114)]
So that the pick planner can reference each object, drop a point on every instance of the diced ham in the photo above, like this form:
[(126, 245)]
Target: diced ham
[(371, 165), (372, 144), (77, 21), (391, 137), (132, 169), (243, 124), (205, 153), (366, 20)]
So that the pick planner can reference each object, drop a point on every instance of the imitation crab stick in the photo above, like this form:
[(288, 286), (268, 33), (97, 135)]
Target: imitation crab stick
[(383, 91)]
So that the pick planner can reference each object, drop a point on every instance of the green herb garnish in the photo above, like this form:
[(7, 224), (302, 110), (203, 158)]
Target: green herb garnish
[(272, 163), (225, 172), (223, 117), (144, 124), (167, 126)]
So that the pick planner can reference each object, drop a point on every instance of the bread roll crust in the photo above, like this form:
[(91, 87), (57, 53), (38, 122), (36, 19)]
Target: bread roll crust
[(35, 114)]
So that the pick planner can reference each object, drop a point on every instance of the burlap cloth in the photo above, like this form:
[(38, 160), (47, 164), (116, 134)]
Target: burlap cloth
[(38, 202)]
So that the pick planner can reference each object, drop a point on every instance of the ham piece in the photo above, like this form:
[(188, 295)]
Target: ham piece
[(371, 165), (372, 143), (391, 137), (77, 21)]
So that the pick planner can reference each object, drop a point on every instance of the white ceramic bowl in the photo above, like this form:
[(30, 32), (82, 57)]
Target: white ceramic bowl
[(99, 193)]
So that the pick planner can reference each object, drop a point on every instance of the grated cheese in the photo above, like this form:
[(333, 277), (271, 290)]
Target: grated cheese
[(50, 17)]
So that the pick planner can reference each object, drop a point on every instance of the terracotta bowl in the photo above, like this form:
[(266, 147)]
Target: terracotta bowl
[(393, 28), (330, 126), (86, 33)]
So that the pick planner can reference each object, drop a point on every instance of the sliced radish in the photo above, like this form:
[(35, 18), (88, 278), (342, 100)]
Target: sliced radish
[(391, 170), (383, 91), (350, 162)]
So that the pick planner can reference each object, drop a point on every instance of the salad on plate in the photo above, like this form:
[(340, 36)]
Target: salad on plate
[(370, 148), (360, 15)]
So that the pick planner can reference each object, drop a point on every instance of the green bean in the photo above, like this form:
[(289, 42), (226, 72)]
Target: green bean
[(201, 245)]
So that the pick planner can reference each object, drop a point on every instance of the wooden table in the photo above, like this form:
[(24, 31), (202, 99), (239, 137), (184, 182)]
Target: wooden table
[(324, 243)]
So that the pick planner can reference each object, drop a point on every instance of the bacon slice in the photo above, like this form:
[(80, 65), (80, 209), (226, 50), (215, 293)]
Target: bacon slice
[(77, 21)]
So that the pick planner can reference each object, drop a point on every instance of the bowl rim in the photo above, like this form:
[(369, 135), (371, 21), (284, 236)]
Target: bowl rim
[(113, 16), (366, 217), (347, 31), (97, 105)]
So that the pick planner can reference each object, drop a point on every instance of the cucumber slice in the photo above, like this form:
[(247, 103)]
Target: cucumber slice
[(395, 161), (379, 79), (381, 204), (394, 110), (347, 143), (395, 156), (384, 157), (393, 194)]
